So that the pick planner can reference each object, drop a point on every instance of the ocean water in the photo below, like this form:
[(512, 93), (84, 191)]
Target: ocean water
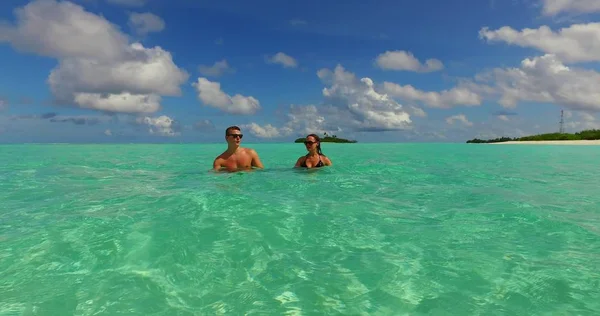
[(390, 229)]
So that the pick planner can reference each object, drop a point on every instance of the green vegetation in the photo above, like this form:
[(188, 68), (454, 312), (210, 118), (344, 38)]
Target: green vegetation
[(591, 134), (328, 139), (486, 141)]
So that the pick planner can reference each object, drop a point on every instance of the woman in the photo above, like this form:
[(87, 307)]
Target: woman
[(314, 158)]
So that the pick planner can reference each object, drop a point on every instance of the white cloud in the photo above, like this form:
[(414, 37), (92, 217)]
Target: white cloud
[(284, 60), (371, 110), (578, 120), (267, 131), (576, 43), (108, 132), (219, 68), (460, 118), (503, 118), (350, 104), (129, 3), (144, 23), (577, 126), (210, 93), (3, 104), (162, 125), (122, 102), (98, 68), (542, 79), (553, 7), (444, 99), (416, 111), (402, 60), (302, 120), (308, 119), (63, 29)]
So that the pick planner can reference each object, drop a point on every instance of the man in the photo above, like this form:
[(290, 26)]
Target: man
[(236, 157)]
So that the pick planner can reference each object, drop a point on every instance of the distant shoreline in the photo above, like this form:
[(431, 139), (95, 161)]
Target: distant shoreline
[(550, 142), (585, 137), (329, 139)]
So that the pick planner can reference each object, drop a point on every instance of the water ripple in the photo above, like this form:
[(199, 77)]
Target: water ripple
[(421, 230)]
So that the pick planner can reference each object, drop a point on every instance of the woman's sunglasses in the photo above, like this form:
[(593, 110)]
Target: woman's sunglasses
[(307, 142)]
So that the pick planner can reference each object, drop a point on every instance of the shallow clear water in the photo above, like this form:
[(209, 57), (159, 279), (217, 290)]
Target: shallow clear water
[(390, 229)]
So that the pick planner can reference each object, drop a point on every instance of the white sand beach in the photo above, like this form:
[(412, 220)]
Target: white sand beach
[(551, 142)]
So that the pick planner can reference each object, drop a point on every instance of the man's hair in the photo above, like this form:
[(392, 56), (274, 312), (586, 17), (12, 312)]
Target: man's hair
[(232, 128)]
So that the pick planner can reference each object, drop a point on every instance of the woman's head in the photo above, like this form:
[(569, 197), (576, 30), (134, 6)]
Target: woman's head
[(313, 142)]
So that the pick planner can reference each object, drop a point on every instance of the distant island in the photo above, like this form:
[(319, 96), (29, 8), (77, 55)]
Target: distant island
[(328, 139), (592, 134)]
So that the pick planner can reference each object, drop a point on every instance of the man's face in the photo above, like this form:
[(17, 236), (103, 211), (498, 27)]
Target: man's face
[(234, 137)]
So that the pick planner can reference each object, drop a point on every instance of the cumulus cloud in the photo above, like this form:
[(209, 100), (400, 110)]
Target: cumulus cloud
[(144, 23), (542, 79), (580, 120), (403, 60), (219, 68), (576, 43), (444, 99), (267, 131), (303, 120), (416, 111), (162, 125), (459, 118), (350, 104), (554, 7), (283, 59), (210, 94), (370, 108), (98, 68)]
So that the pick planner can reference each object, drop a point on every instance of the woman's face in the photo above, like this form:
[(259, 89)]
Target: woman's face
[(310, 142)]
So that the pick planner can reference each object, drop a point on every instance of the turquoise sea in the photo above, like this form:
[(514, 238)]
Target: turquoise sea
[(390, 229)]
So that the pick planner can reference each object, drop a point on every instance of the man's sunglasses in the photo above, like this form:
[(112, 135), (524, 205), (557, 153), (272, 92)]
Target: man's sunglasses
[(236, 135)]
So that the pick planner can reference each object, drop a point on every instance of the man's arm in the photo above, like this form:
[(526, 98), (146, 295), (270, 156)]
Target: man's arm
[(217, 164), (255, 159)]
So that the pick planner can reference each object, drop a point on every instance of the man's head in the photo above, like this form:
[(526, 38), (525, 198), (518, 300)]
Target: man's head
[(233, 135)]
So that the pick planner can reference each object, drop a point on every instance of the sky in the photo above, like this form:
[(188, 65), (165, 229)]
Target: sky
[(97, 71)]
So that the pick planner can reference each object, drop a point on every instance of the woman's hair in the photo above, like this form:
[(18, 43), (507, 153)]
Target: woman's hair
[(318, 140)]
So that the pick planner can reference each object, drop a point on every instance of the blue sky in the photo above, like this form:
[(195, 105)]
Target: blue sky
[(393, 71)]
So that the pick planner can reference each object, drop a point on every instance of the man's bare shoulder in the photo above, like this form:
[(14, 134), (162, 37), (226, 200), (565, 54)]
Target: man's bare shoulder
[(221, 156), (249, 151)]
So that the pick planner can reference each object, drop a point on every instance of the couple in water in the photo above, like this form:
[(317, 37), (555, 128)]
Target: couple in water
[(240, 158)]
